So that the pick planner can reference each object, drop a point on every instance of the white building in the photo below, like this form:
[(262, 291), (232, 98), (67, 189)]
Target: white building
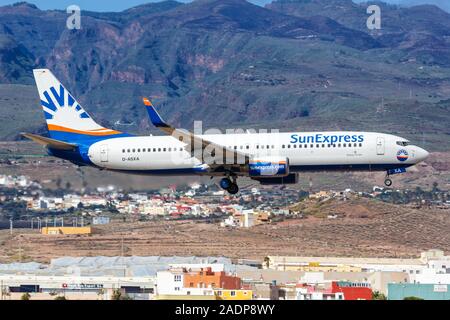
[(169, 282), (172, 283), (249, 218), (430, 276)]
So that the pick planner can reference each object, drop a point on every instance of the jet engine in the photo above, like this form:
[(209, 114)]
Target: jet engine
[(268, 167)]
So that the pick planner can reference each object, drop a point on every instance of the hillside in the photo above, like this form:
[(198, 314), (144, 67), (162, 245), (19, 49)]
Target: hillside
[(370, 229), (307, 65)]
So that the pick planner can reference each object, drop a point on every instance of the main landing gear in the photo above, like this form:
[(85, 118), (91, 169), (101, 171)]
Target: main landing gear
[(229, 185)]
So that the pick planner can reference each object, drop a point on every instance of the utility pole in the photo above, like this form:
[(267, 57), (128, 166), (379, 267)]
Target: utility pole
[(11, 226), (122, 249), (32, 226), (62, 222)]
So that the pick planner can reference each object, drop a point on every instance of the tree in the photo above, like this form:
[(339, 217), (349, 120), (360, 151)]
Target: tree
[(25, 296), (377, 295), (116, 295), (58, 182), (412, 298)]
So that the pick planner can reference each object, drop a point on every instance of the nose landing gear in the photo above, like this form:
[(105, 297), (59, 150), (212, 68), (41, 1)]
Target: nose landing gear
[(229, 185), (388, 182)]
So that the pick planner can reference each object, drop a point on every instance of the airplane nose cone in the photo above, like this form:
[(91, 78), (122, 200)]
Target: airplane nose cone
[(422, 154)]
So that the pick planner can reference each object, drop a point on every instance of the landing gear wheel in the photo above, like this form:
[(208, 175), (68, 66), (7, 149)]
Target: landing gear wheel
[(225, 183), (233, 189), (388, 182)]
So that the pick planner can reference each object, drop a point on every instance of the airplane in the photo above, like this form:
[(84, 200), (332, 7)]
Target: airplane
[(268, 158)]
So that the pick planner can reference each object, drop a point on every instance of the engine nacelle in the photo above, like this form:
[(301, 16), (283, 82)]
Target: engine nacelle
[(290, 179), (268, 167)]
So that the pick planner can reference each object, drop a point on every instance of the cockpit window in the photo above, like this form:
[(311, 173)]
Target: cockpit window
[(403, 143)]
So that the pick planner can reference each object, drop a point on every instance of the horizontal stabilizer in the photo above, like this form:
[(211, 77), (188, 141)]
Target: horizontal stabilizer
[(50, 143)]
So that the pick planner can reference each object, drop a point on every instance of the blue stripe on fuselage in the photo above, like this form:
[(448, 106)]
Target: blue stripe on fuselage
[(311, 168), (79, 156), (83, 138), (349, 167)]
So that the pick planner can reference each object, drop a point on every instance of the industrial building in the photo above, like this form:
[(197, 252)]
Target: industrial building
[(74, 287), (400, 291), (66, 230)]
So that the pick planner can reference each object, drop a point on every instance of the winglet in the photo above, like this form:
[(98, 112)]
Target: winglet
[(155, 118)]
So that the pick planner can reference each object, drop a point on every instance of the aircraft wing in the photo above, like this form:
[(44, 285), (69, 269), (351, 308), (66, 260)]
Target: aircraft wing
[(50, 143), (193, 141)]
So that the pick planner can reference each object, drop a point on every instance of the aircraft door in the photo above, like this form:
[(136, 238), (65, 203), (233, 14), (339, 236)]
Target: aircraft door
[(380, 146), (104, 153)]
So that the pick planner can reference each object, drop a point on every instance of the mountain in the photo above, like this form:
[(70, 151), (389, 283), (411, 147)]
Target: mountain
[(308, 64), (424, 29)]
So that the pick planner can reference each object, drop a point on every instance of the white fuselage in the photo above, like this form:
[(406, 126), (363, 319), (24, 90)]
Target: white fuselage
[(306, 151)]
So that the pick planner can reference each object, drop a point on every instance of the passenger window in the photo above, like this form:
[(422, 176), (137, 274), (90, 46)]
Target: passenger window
[(339, 145), (164, 149), (128, 150), (257, 146), (268, 147), (139, 150), (344, 145), (181, 149), (300, 146), (123, 150), (283, 146), (170, 149), (306, 146), (247, 147), (360, 144), (134, 150), (149, 150), (235, 147), (154, 149), (312, 146), (159, 149), (289, 146), (323, 146)]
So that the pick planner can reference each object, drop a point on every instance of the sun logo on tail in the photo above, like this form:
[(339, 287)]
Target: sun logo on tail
[(51, 108)]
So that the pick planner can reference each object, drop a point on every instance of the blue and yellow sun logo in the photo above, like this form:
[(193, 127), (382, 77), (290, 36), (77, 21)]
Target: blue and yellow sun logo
[(402, 155), (63, 99)]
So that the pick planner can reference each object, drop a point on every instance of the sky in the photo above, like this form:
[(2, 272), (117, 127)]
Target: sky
[(120, 5)]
